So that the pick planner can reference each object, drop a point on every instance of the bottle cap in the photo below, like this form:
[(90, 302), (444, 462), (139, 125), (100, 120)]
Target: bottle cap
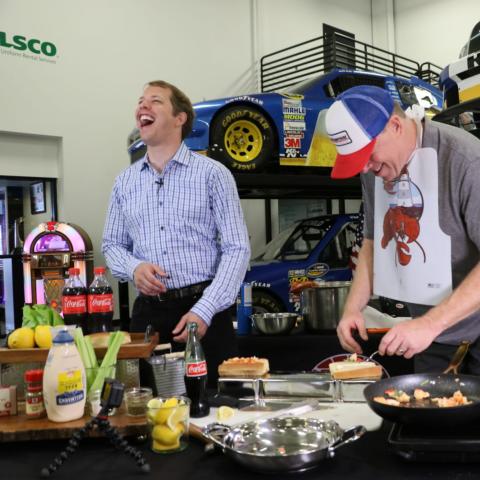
[(99, 270), (34, 375), (63, 337)]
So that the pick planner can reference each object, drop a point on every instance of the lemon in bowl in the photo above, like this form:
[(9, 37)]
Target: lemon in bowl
[(168, 423)]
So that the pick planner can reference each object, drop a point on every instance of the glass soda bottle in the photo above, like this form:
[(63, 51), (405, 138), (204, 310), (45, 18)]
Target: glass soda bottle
[(100, 303), (196, 374), (74, 300)]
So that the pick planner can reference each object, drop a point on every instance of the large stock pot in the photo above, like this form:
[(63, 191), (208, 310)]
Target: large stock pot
[(322, 306)]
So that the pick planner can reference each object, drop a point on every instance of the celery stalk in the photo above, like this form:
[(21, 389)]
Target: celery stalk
[(80, 344), (106, 368), (87, 354), (93, 363)]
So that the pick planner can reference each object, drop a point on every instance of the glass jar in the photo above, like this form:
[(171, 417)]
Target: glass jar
[(34, 406)]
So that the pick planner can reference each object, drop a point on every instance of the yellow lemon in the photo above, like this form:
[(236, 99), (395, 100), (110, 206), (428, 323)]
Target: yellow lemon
[(21, 338), (164, 435), (43, 336), (177, 417), (170, 402), (160, 415), (224, 413), (154, 403)]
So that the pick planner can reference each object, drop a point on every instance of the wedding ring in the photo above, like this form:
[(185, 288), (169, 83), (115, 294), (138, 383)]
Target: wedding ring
[(401, 352)]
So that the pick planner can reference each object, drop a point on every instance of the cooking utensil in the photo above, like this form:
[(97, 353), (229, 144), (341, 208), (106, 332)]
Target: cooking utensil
[(372, 355), (287, 444), (322, 306), (274, 323), (438, 385)]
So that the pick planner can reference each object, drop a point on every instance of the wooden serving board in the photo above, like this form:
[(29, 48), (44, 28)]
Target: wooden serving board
[(138, 348), (18, 428)]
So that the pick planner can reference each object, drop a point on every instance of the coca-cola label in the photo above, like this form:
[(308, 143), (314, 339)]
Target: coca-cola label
[(74, 304), (196, 369), (100, 303)]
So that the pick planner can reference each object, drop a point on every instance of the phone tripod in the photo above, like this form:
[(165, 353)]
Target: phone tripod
[(101, 421)]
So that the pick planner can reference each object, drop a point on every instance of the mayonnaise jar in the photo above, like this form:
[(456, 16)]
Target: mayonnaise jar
[(64, 381)]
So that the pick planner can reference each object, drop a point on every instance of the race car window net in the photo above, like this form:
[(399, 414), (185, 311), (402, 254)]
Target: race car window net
[(337, 252), (340, 84), (298, 241)]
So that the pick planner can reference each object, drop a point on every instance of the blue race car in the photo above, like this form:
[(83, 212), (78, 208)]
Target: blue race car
[(312, 250), (261, 131)]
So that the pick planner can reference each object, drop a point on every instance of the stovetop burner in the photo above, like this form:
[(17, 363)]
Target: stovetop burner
[(426, 444)]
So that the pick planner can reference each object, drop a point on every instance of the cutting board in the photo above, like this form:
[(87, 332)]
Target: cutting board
[(138, 348), (346, 414), (17, 428)]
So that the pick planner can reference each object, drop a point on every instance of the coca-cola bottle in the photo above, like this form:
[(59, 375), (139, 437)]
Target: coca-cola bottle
[(100, 303), (74, 300), (196, 374)]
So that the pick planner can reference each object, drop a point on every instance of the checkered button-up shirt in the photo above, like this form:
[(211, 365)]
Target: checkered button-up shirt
[(186, 219)]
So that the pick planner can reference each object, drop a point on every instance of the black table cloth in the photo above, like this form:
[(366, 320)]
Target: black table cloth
[(366, 459)]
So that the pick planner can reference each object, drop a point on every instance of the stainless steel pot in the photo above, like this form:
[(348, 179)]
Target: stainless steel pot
[(322, 306), (287, 444)]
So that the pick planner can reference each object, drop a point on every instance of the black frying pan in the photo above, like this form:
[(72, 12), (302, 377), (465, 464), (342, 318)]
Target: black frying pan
[(438, 385)]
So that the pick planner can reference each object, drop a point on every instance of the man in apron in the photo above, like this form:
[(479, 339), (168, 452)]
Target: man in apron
[(422, 225)]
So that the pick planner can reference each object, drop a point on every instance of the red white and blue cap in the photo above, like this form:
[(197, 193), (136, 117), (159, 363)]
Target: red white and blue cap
[(353, 123)]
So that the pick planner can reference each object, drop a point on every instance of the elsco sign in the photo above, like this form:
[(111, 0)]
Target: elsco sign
[(33, 45)]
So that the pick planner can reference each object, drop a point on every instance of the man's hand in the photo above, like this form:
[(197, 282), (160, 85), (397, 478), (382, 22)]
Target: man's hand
[(180, 331), (145, 278), (409, 337), (350, 322)]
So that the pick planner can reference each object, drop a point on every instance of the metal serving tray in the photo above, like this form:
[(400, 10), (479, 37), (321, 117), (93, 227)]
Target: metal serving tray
[(304, 384)]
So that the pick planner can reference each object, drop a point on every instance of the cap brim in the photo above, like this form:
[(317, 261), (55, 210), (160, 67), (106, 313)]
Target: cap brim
[(347, 166)]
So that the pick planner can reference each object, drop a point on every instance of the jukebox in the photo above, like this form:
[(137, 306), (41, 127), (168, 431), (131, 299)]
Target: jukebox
[(48, 252)]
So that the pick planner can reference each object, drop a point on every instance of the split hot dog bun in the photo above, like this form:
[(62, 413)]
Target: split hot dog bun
[(100, 340), (349, 369), (243, 367)]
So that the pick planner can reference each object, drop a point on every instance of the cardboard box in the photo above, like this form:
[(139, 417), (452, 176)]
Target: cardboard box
[(8, 400)]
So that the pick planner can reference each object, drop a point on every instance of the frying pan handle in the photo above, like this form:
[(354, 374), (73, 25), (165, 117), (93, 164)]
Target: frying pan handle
[(458, 357), (348, 436), (216, 432)]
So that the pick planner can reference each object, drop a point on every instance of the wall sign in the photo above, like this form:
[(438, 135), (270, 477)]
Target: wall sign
[(37, 198)]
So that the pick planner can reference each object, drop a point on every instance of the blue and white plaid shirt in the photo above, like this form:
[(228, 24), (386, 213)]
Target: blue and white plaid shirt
[(186, 219)]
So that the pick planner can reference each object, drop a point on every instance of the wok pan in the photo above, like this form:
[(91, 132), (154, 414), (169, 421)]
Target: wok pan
[(282, 444), (438, 385)]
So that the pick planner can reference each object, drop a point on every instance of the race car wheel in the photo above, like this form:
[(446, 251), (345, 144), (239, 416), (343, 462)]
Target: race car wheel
[(263, 302), (242, 138)]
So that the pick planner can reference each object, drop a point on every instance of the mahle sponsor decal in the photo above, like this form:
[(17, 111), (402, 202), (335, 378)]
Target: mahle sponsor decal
[(25, 44)]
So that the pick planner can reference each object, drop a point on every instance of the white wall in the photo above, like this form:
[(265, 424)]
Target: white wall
[(434, 30)]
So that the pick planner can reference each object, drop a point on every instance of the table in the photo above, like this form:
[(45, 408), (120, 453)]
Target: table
[(368, 458)]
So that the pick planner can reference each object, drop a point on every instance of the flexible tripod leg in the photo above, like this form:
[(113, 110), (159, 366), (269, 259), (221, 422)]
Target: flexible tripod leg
[(71, 448), (101, 420), (119, 442)]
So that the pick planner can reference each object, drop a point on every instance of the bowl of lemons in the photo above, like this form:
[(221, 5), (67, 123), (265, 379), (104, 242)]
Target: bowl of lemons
[(168, 420)]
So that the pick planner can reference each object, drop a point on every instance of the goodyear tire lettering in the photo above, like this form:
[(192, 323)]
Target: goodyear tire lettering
[(242, 138)]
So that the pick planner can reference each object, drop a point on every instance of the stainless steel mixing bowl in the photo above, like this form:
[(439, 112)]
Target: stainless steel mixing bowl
[(274, 323)]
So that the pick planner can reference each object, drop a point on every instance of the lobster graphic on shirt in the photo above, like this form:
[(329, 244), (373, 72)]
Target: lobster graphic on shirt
[(402, 220)]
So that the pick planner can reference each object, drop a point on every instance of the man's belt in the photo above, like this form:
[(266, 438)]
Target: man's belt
[(179, 293)]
